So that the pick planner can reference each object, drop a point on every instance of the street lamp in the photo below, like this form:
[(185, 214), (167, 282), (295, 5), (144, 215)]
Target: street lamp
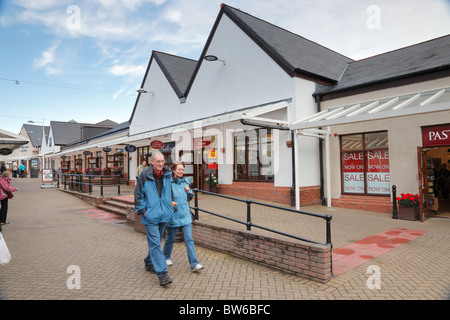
[(42, 143)]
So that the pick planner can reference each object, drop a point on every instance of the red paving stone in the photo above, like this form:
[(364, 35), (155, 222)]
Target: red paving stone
[(355, 254), (102, 215)]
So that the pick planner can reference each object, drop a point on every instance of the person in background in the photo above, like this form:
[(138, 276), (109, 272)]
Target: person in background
[(6, 192), (14, 169), (141, 168), (181, 218), (22, 169)]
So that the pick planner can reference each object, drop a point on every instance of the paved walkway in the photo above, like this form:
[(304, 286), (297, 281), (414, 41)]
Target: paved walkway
[(53, 237)]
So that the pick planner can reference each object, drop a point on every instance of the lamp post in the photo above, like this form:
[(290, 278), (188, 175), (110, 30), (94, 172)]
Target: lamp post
[(42, 144)]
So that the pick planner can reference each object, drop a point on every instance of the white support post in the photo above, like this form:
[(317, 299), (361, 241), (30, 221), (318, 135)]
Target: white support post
[(297, 175), (328, 166)]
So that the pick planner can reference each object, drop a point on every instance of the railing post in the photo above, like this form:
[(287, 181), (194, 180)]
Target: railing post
[(394, 202), (90, 186), (196, 204), (118, 184), (65, 181), (328, 219), (101, 186), (81, 183), (249, 218), (57, 181)]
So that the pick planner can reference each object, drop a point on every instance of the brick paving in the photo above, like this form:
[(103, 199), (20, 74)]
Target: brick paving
[(51, 232)]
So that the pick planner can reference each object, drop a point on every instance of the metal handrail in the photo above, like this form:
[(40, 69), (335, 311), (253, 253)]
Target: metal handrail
[(79, 182), (249, 224)]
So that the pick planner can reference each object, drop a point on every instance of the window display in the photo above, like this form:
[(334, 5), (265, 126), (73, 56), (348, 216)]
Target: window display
[(365, 163)]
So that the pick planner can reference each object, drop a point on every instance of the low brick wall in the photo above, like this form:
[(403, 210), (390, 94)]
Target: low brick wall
[(307, 260), (267, 191)]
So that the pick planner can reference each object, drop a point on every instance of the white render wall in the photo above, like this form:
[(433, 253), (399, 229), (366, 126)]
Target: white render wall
[(249, 78)]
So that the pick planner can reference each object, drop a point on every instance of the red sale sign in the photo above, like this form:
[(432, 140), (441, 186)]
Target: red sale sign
[(378, 177), (353, 172)]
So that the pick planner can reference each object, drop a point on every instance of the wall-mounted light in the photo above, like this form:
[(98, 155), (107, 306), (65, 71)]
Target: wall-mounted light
[(142, 90), (213, 58)]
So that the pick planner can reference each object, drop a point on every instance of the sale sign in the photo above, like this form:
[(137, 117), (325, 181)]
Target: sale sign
[(353, 172), (378, 176)]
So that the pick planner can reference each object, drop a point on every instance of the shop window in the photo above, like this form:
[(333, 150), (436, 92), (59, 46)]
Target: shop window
[(365, 163), (253, 155)]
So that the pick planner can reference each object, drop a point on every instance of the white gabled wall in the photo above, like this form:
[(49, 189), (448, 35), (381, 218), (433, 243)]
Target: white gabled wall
[(249, 78)]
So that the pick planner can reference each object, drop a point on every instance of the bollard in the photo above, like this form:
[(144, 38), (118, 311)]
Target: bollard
[(394, 202), (118, 184), (101, 186), (249, 219)]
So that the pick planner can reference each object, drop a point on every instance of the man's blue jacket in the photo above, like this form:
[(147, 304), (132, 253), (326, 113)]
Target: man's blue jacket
[(147, 200)]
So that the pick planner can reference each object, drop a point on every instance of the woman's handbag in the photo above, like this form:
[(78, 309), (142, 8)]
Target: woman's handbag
[(5, 256)]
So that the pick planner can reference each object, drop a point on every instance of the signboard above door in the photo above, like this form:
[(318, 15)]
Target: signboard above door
[(436, 135)]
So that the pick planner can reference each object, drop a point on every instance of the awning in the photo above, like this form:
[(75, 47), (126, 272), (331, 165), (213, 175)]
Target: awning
[(246, 113), (405, 105)]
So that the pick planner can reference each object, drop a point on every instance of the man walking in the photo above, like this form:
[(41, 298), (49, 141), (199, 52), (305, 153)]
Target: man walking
[(152, 200)]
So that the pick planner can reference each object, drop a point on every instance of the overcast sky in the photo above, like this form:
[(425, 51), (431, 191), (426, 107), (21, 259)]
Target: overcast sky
[(84, 60)]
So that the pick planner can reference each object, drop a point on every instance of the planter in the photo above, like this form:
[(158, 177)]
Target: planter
[(408, 213)]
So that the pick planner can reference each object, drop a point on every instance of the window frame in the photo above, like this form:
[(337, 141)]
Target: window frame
[(364, 150), (247, 150)]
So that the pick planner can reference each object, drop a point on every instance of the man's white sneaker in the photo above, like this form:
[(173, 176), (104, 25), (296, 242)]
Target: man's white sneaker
[(197, 268), (169, 262)]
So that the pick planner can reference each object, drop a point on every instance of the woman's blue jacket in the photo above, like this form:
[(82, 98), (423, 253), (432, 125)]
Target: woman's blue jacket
[(182, 214)]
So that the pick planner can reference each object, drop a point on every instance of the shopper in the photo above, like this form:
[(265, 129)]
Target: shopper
[(181, 217), (152, 200), (6, 192), (141, 168), (22, 169), (14, 169)]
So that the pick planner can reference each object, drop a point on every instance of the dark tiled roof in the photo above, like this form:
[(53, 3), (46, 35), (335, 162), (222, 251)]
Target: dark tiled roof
[(67, 132), (424, 57), (291, 51), (177, 70), (35, 133)]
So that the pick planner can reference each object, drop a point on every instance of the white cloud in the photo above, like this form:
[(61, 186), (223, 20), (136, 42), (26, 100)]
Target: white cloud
[(46, 60), (122, 70)]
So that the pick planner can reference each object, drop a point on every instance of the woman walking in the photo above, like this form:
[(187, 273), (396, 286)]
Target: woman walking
[(6, 192), (181, 218)]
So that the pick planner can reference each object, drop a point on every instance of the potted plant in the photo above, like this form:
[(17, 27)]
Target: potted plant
[(97, 171), (211, 181), (408, 206)]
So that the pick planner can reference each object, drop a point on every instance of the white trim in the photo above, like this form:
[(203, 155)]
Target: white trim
[(394, 107)]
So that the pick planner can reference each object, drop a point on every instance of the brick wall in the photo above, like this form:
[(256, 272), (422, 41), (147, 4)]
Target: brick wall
[(267, 191), (293, 256)]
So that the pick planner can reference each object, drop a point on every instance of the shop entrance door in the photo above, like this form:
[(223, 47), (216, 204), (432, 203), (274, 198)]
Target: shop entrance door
[(423, 183)]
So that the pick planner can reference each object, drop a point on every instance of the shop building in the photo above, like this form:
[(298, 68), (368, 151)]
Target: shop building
[(277, 117)]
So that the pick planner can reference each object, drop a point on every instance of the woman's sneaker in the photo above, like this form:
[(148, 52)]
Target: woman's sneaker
[(197, 268), (169, 263)]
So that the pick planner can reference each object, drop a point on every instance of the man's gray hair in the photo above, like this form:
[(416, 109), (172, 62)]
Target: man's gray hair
[(155, 154)]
